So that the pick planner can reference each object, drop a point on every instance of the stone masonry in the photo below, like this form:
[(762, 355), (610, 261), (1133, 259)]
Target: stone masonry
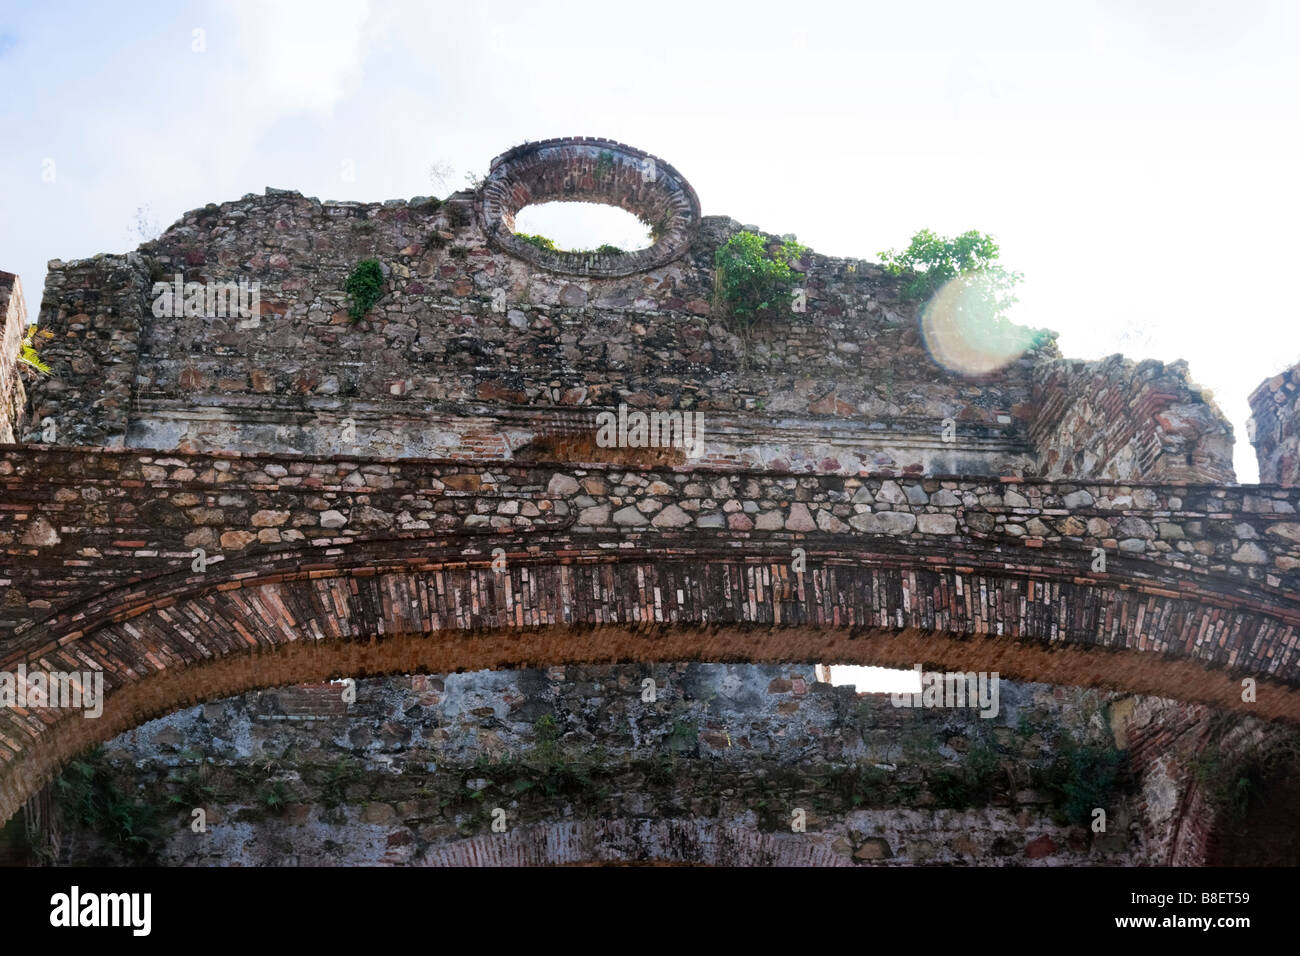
[(237, 502), (13, 326), (1275, 427)]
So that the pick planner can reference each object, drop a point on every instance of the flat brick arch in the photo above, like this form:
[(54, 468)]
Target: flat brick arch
[(648, 842), (585, 169)]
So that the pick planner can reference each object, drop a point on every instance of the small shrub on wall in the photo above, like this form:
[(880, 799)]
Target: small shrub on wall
[(750, 281), (364, 286), (541, 242), (28, 355)]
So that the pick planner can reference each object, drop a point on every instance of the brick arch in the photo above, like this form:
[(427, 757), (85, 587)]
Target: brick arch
[(1267, 837), (406, 606), (642, 841), (1206, 833), (586, 169)]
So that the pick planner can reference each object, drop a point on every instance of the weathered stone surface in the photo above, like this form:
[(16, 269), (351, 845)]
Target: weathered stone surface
[(1078, 499), (1014, 499), (671, 517), (235, 540), (630, 516), (936, 524), (800, 519), (1040, 847), (40, 533), (1250, 553), (885, 522), (449, 742), (890, 493), (561, 484), (873, 848), (596, 515)]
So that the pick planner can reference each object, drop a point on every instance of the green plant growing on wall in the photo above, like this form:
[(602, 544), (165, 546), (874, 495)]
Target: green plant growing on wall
[(1236, 785), (342, 774), (865, 785), (27, 353), (274, 796), (546, 748), (683, 735), (661, 770), (547, 244), (458, 214), (965, 289), (541, 242), (974, 782), (550, 768), (1085, 776), (931, 260), (86, 792), (604, 163), (659, 228), (428, 206), (750, 281), (605, 249), (194, 787), (364, 286)]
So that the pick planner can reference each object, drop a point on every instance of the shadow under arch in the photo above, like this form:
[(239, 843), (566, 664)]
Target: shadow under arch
[(172, 645)]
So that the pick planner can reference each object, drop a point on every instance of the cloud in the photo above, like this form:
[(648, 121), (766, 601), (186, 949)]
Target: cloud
[(298, 55)]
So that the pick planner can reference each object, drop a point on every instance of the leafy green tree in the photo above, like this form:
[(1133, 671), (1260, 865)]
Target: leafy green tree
[(967, 292), (931, 261)]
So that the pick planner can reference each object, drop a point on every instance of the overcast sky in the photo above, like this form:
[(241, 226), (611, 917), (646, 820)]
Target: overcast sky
[(1135, 160)]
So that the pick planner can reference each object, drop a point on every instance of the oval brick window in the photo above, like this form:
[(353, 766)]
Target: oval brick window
[(591, 171)]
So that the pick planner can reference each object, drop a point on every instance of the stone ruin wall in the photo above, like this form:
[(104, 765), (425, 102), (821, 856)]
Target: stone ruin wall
[(1128, 421), (587, 770), (477, 352), (435, 371), (439, 368), (1275, 427), (13, 326)]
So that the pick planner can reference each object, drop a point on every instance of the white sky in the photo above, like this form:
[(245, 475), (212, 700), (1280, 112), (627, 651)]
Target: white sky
[(875, 680), (1136, 160)]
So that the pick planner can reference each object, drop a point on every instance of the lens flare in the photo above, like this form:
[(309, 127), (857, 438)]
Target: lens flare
[(964, 329)]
